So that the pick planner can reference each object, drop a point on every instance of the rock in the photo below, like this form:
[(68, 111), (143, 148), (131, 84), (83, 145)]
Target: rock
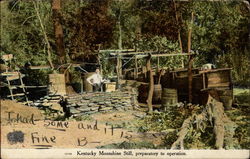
[(139, 115), (57, 107), (74, 110), (55, 98), (47, 104), (83, 109), (36, 104), (94, 109), (82, 104), (71, 105), (106, 108)]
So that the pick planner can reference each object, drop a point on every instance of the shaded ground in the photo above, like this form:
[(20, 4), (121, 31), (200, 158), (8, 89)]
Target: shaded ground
[(117, 129), (11, 106)]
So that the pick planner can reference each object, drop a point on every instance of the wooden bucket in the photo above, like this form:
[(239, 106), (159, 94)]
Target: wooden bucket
[(169, 97), (157, 94)]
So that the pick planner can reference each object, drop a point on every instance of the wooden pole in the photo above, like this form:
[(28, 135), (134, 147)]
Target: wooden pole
[(119, 62), (151, 84), (190, 62), (136, 68), (158, 63), (179, 31)]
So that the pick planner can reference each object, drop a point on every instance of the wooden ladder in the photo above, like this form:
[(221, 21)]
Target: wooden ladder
[(16, 76)]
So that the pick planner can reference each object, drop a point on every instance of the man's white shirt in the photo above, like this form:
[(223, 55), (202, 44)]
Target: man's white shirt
[(95, 79)]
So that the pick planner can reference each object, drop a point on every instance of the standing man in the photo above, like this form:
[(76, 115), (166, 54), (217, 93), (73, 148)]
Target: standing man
[(96, 81)]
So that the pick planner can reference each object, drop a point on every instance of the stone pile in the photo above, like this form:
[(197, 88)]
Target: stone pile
[(50, 105), (89, 103)]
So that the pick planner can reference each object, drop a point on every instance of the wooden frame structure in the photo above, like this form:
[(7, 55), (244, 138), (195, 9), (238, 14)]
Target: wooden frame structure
[(148, 55)]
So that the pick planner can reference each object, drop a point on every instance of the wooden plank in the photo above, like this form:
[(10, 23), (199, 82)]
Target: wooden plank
[(40, 67), (35, 86), (116, 51), (7, 57), (226, 84), (57, 66), (11, 78), (15, 95), (163, 55), (153, 52), (217, 88), (215, 70), (9, 73)]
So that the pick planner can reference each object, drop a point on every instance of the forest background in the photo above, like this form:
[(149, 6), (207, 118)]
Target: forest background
[(220, 32)]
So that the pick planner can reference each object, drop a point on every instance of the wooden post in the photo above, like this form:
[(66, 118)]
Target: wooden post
[(158, 63), (151, 84), (136, 68), (203, 80), (190, 62), (99, 59), (179, 31), (119, 62)]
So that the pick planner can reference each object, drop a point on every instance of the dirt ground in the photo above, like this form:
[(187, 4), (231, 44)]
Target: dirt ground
[(101, 129)]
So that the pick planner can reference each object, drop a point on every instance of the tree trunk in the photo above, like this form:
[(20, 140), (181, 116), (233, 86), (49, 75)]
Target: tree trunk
[(151, 84), (45, 35), (190, 62), (58, 30), (60, 50)]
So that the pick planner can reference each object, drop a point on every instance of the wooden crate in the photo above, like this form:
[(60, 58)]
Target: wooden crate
[(110, 87)]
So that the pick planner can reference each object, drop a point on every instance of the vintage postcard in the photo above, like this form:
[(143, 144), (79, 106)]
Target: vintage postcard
[(125, 79)]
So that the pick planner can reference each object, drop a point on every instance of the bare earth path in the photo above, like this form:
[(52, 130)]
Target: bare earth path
[(31, 131)]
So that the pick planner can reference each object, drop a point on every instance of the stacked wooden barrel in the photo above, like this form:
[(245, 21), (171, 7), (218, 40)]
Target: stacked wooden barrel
[(169, 97)]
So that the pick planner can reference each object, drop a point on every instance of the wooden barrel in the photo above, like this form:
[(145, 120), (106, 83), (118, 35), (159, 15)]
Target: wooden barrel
[(88, 87), (143, 93), (57, 84), (157, 94), (169, 97)]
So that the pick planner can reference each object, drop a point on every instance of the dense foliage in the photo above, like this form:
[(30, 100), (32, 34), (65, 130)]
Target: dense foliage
[(220, 32)]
